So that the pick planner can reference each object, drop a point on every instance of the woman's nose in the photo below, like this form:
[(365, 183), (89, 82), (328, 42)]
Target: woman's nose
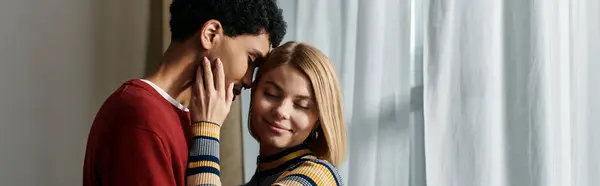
[(282, 112)]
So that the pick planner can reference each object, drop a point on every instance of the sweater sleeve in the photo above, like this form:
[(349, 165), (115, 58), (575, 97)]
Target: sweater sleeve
[(313, 172), (203, 163)]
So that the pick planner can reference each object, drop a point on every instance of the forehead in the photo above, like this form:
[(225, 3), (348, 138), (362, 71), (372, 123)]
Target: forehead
[(290, 79), (255, 43)]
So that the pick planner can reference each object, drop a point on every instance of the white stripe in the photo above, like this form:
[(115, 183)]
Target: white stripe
[(166, 96)]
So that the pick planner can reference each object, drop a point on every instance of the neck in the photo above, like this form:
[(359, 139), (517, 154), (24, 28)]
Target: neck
[(177, 71), (269, 151), (266, 150)]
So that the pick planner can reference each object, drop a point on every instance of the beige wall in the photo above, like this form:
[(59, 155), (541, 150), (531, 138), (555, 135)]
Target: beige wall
[(59, 60), (231, 147)]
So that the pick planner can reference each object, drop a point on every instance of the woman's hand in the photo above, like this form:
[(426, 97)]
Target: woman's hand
[(211, 100)]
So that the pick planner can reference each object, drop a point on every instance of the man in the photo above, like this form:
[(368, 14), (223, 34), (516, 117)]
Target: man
[(140, 134)]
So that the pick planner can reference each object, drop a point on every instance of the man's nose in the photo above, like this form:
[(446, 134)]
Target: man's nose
[(247, 80)]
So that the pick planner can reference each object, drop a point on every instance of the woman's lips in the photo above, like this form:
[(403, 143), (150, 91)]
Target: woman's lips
[(276, 127)]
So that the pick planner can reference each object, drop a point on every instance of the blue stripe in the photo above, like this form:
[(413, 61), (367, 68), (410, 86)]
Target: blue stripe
[(203, 169), (304, 177), (330, 171), (205, 137), (204, 158)]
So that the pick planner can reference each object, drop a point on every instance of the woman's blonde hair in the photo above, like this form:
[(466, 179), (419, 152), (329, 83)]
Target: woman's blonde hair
[(330, 144)]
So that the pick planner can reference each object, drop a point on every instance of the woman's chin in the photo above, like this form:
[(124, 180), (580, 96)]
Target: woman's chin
[(275, 142)]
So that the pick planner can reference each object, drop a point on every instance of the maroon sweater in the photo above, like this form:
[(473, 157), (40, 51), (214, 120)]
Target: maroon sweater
[(138, 138)]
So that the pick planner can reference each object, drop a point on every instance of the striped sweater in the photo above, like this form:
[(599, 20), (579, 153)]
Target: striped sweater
[(296, 166)]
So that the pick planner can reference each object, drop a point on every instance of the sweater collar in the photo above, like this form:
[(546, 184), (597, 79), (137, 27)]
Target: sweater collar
[(287, 155)]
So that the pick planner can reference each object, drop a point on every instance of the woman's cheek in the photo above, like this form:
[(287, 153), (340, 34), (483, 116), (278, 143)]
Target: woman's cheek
[(301, 124)]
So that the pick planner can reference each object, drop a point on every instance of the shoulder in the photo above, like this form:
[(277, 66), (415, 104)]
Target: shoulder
[(132, 94), (312, 172), (136, 105), (139, 97)]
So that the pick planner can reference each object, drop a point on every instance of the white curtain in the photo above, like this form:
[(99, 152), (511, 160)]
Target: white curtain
[(463, 92), (511, 92), (369, 43)]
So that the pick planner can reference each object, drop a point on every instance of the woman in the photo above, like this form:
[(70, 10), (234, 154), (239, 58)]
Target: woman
[(295, 115)]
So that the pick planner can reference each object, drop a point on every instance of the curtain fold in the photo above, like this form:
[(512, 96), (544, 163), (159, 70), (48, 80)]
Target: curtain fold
[(508, 92), (369, 44), (464, 92)]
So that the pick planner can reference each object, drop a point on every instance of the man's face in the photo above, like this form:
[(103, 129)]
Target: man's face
[(240, 55)]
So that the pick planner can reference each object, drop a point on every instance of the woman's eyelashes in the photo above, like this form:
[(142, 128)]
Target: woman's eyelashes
[(302, 104), (301, 107), (275, 96)]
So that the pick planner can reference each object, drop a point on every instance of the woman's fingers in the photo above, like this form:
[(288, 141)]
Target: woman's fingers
[(208, 76), (220, 78), (198, 87), (211, 100), (229, 96)]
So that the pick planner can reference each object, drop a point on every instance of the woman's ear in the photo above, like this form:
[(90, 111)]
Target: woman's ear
[(211, 34)]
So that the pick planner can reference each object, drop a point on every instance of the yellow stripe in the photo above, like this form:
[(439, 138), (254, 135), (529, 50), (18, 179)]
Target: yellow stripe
[(310, 156), (206, 129), (317, 172), (206, 125), (204, 178), (204, 163), (325, 174), (282, 160), (311, 172), (288, 183)]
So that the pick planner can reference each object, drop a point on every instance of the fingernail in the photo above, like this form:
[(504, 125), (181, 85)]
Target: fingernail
[(219, 61)]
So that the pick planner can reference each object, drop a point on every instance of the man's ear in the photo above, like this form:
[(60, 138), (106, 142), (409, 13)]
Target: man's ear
[(211, 34)]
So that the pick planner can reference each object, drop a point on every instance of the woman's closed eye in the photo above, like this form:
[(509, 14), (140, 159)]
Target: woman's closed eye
[(301, 106)]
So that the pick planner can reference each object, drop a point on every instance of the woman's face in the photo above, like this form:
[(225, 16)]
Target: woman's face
[(283, 108)]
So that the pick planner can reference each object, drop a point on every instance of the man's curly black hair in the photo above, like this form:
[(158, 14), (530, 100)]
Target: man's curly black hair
[(238, 17)]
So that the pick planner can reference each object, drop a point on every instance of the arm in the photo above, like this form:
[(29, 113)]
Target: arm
[(137, 157), (204, 167), (310, 173), (209, 102)]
